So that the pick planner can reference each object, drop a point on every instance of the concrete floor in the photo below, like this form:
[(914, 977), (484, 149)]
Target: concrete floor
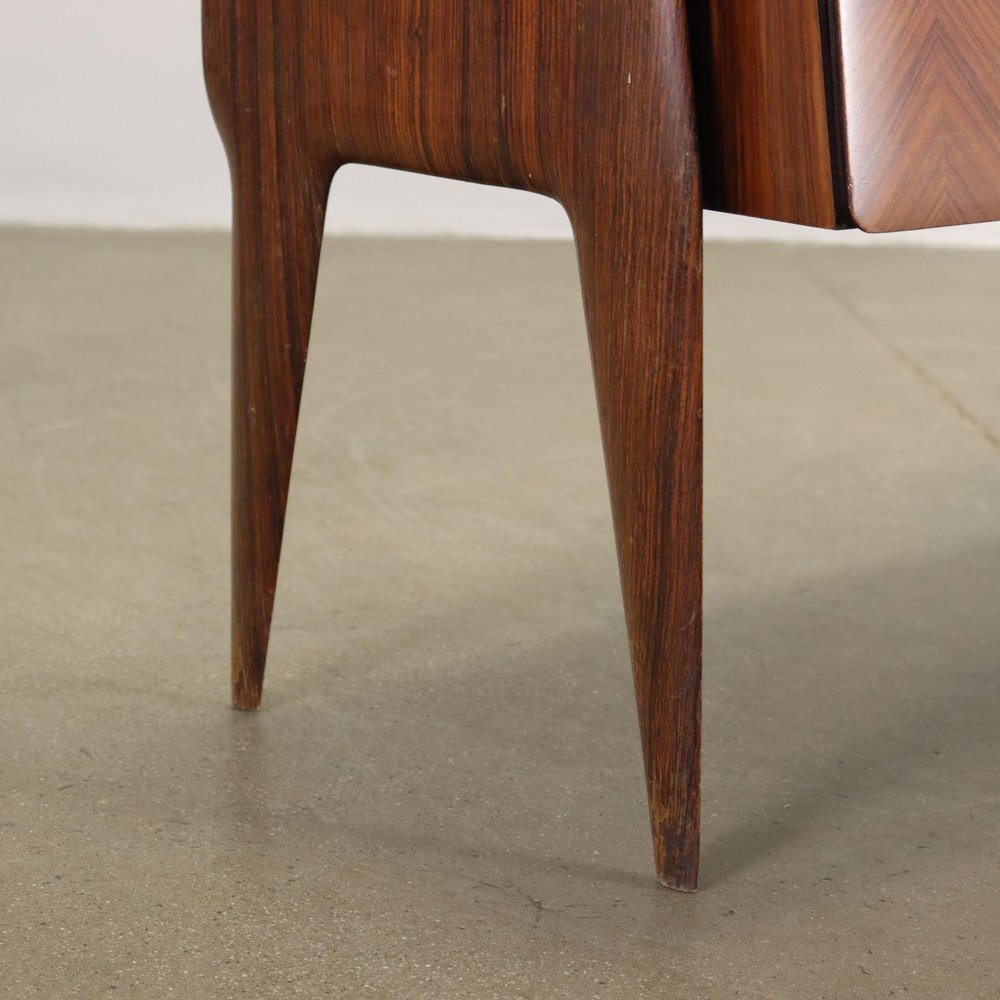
[(442, 797)]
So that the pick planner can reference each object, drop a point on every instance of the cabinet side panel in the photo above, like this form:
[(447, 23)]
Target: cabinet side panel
[(762, 109), (921, 92)]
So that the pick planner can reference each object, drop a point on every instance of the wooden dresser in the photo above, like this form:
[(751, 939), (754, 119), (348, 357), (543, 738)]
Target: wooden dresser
[(876, 113)]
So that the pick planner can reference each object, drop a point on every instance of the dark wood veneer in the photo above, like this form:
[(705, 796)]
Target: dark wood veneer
[(762, 109), (879, 113)]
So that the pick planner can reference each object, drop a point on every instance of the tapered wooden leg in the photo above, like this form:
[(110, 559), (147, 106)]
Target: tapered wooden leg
[(279, 209), (639, 239), (643, 297)]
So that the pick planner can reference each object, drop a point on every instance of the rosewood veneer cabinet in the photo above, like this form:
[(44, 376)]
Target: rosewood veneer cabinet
[(884, 114)]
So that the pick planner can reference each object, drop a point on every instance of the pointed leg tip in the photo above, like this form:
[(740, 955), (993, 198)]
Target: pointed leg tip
[(246, 679), (678, 884), (246, 699), (676, 853)]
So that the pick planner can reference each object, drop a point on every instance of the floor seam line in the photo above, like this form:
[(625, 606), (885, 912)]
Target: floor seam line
[(914, 366)]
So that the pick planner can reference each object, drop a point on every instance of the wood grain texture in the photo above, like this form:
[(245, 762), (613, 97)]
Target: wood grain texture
[(590, 103), (921, 103), (883, 114), (763, 109)]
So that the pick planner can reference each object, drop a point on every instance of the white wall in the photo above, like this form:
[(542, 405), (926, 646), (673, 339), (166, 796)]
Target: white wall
[(104, 122)]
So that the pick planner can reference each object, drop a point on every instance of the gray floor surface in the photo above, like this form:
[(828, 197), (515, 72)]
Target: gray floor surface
[(442, 797)]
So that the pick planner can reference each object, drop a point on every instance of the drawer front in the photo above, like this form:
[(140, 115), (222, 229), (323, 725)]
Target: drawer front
[(879, 113), (921, 108)]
